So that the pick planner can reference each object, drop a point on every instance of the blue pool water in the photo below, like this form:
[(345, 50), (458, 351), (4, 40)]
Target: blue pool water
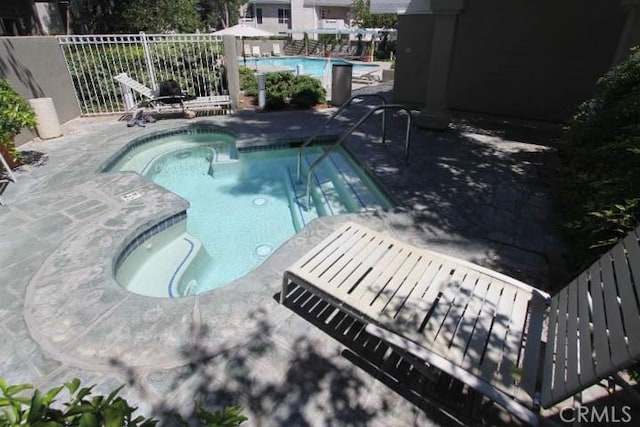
[(312, 66), (244, 205)]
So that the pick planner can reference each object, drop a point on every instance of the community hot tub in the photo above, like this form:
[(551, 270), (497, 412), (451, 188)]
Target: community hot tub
[(244, 203)]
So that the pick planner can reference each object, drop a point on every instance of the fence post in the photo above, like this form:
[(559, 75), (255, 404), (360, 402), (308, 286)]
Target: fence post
[(231, 62), (147, 57)]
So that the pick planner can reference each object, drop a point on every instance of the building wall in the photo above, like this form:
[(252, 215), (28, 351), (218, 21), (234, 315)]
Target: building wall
[(518, 58), (304, 18), (35, 68), (333, 12), (413, 51), (270, 18)]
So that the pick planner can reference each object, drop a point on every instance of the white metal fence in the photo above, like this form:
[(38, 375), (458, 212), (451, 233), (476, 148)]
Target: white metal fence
[(193, 60)]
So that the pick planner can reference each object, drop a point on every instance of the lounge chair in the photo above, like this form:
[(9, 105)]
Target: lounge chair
[(479, 326), (275, 50), (6, 178), (169, 103), (247, 50), (367, 77), (255, 51)]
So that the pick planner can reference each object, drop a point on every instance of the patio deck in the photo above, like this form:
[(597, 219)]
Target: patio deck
[(475, 191)]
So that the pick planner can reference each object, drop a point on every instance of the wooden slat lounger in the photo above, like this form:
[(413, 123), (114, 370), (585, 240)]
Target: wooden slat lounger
[(201, 103), (480, 326)]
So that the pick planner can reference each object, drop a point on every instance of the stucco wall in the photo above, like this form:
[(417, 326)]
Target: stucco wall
[(413, 56), (35, 68), (517, 58), (303, 18), (270, 18)]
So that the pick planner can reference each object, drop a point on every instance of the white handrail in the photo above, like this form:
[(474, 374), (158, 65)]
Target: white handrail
[(329, 150), (333, 116)]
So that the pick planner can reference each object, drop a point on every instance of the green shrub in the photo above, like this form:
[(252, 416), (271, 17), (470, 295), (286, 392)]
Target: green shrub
[(277, 89), (15, 114), (278, 83), (306, 91), (275, 102), (601, 154), (248, 81), (282, 87), (82, 408)]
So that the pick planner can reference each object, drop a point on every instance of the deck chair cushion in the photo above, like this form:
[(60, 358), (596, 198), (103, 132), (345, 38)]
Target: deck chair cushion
[(170, 92)]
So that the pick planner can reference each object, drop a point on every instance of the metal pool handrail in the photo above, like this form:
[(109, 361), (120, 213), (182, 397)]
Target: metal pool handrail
[(330, 119), (407, 141)]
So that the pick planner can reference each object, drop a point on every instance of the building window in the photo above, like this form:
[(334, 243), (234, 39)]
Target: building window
[(283, 16), (259, 15)]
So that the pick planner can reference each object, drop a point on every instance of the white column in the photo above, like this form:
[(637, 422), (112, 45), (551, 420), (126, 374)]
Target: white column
[(435, 114), (631, 32)]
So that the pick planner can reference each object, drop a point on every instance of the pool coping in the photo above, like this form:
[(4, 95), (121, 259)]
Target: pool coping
[(133, 242), (197, 340), (94, 330)]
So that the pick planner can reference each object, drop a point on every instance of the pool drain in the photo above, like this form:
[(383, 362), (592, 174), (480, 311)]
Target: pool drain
[(263, 250), (260, 201)]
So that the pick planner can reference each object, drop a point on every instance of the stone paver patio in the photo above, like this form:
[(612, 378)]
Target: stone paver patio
[(473, 192)]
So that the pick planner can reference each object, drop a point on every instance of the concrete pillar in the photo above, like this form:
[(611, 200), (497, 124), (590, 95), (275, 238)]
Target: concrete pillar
[(435, 114), (630, 36), (233, 74)]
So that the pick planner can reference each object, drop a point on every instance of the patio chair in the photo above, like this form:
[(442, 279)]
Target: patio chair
[(479, 326), (172, 103), (367, 77), (6, 176), (247, 50), (255, 51), (275, 50)]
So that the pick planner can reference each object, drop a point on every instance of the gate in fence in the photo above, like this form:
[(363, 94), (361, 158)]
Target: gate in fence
[(195, 61)]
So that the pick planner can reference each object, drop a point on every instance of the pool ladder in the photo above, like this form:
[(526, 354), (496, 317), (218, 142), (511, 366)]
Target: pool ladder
[(384, 107)]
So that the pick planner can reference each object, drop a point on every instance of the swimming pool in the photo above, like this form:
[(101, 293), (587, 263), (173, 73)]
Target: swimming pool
[(312, 66), (244, 203)]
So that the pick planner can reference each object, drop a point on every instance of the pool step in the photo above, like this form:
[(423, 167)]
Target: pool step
[(338, 187), (333, 193), (296, 194), (368, 197), (159, 267)]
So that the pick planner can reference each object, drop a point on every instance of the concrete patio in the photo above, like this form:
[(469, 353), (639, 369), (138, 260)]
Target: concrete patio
[(479, 191)]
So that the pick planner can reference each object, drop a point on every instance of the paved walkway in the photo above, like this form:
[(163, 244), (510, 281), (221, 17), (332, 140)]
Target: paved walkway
[(474, 191)]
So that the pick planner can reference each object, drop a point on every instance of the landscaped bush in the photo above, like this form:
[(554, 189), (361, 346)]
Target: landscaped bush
[(301, 91), (84, 409), (306, 92), (248, 81), (601, 154), (15, 114)]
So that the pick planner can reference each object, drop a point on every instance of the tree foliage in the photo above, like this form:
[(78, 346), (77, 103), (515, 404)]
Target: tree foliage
[(365, 19), (157, 16), (132, 16), (221, 13), (23, 405), (601, 153), (96, 16)]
